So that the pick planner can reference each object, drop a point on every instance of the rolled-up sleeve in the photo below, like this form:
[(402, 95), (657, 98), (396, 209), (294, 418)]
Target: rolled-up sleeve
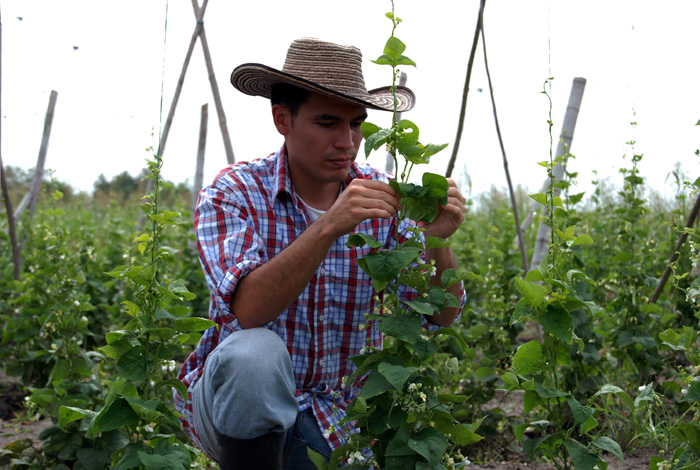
[(229, 248)]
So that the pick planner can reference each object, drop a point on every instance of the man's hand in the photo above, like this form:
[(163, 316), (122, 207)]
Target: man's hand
[(361, 200), (451, 216)]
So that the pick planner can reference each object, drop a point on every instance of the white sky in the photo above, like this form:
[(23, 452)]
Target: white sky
[(638, 57)]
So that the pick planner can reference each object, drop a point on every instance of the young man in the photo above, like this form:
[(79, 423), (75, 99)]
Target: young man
[(286, 293)]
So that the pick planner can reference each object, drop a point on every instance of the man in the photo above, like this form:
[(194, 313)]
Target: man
[(286, 293)]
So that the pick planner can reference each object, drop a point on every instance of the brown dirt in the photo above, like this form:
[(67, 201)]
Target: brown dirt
[(12, 428)]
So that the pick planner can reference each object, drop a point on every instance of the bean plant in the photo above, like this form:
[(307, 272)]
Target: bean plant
[(402, 415), (137, 409)]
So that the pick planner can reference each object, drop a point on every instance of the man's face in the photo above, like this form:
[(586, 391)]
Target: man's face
[(322, 140)]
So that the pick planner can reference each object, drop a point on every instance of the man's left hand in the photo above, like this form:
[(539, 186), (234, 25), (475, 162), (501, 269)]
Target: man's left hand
[(451, 216)]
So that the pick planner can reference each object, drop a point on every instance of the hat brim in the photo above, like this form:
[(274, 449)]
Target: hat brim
[(257, 80)]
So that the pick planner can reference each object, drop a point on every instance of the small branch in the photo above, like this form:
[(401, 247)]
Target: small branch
[(521, 241), (460, 125), (676, 252)]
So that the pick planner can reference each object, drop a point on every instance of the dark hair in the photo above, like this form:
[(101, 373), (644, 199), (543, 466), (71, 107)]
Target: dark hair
[(288, 95)]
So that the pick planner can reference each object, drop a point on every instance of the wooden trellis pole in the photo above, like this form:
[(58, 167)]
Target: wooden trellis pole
[(470, 64), (214, 86), (565, 139), (516, 216), (199, 169), (17, 261), (30, 199), (676, 251)]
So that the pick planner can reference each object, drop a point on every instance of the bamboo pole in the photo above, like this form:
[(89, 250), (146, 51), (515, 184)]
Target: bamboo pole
[(16, 259), (676, 251), (565, 139), (176, 97), (230, 158), (521, 241), (462, 113), (199, 170), (389, 166), (181, 80), (31, 198)]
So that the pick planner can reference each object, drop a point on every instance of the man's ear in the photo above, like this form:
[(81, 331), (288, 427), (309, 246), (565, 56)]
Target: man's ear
[(282, 118)]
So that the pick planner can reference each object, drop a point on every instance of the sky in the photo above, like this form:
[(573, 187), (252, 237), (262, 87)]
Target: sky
[(115, 66)]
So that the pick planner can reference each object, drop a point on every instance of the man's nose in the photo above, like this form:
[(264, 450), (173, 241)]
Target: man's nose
[(344, 138)]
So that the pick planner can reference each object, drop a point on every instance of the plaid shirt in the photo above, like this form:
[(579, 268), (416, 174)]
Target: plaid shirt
[(246, 217)]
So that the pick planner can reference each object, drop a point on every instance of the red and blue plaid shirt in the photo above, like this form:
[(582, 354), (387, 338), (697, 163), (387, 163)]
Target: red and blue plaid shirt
[(245, 218)]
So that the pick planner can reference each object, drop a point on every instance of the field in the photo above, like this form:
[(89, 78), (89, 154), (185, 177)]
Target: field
[(568, 365)]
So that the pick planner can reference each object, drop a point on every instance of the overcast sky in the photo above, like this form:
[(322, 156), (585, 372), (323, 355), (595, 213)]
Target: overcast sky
[(108, 60)]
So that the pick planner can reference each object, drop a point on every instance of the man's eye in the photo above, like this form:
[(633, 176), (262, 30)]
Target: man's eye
[(325, 124)]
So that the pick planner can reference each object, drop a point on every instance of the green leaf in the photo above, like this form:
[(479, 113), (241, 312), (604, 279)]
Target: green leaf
[(540, 197), (376, 140), (93, 458), (362, 239), (174, 383), (580, 412), (430, 444), (161, 462), (116, 415), (528, 358), (558, 322), (396, 375), (406, 328), (533, 293), (376, 384), (193, 324), (622, 257), (451, 277), (132, 365), (367, 129), (421, 307), (583, 240), (582, 458), (534, 276), (523, 309), (317, 459), (608, 445), (386, 265), (68, 414), (178, 287), (693, 393)]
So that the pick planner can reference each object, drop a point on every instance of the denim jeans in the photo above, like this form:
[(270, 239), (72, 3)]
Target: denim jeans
[(247, 390)]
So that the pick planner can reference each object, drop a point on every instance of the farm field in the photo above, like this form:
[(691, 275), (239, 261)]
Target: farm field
[(568, 365)]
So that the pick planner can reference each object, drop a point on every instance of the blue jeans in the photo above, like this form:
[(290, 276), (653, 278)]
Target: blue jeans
[(247, 390)]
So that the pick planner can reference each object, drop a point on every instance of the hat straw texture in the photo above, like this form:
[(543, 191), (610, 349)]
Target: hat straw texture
[(325, 68)]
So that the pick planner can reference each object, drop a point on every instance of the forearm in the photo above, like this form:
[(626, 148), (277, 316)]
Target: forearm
[(444, 259), (264, 293)]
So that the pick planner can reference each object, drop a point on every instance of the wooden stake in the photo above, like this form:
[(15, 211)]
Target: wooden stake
[(565, 139), (199, 170), (16, 259), (676, 251), (460, 125), (230, 158), (32, 196), (521, 242), (181, 80)]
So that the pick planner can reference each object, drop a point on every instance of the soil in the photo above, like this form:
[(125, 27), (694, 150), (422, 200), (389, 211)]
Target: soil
[(11, 406)]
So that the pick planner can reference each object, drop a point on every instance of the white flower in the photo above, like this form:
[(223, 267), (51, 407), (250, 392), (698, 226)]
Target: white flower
[(84, 318), (327, 433), (411, 387), (148, 428), (641, 389), (77, 303), (684, 391)]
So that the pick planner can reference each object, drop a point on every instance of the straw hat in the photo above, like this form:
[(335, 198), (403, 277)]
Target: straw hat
[(325, 68)]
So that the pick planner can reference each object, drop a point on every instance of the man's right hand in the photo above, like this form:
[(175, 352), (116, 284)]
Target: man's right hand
[(361, 200)]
